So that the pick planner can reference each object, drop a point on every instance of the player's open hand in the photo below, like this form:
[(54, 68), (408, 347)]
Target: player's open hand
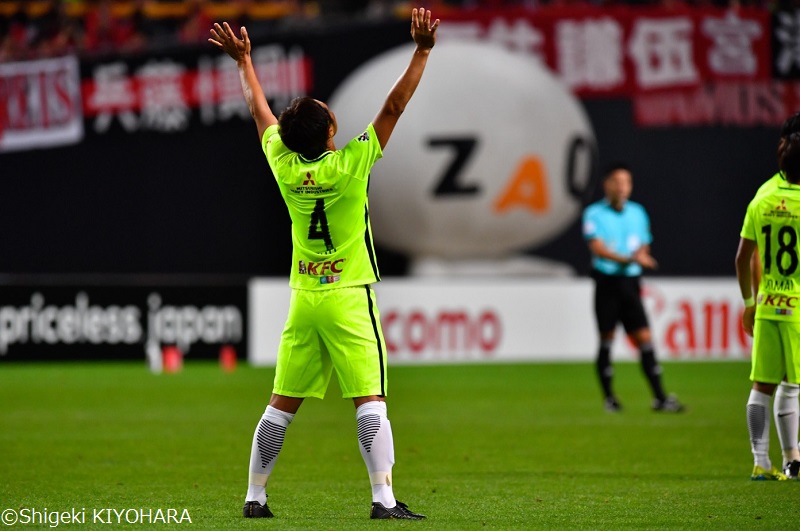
[(223, 37), (422, 31)]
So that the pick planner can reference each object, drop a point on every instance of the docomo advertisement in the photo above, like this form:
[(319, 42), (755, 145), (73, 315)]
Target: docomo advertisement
[(523, 320)]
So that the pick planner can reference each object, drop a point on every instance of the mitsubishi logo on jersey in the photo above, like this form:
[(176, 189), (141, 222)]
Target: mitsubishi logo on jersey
[(782, 206), (308, 180), (321, 268)]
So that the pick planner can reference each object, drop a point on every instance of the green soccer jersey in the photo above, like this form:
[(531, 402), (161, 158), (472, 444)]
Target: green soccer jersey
[(327, 201), (773, 222)]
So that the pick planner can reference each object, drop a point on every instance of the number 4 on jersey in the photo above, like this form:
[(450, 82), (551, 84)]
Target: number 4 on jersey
[(318, 229)]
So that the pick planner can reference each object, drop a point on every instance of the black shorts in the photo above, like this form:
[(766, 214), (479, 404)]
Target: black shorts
[(618, 299)]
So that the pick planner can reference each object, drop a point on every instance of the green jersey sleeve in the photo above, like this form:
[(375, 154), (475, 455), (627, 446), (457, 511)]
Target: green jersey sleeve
[(748, 231)]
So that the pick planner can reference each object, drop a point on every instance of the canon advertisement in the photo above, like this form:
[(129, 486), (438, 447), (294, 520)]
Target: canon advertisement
[(121, 322), (459, 321)]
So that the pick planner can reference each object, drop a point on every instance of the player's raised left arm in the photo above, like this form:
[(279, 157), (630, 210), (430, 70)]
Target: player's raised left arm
[(423, 31), (239, 50)]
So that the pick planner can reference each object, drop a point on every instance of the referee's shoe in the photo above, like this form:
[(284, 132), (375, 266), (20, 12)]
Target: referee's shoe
[(670, 405), (612, 405)]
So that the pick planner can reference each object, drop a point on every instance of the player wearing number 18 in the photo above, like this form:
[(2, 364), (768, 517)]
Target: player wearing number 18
[(771, 226), (333, 321)]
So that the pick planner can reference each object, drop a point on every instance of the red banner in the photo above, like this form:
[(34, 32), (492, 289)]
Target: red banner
[(160, 93), (624, 51), (40, 104)]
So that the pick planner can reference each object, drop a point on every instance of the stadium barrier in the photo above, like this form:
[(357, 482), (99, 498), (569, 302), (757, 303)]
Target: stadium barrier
[(161, 319), (428, 321)]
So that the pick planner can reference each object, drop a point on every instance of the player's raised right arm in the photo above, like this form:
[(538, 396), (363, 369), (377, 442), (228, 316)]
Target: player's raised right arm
[(239, 50), (424, 34)]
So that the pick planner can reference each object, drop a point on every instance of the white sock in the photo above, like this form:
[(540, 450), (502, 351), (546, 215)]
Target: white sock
[(787, 418), (758, 426), (377, 449), (267, 443)]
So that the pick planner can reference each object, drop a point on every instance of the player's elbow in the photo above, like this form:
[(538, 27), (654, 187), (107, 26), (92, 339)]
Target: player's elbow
[(394, 108), (396, 103)]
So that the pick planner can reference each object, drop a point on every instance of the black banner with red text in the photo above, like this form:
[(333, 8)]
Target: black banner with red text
[(151, 164)]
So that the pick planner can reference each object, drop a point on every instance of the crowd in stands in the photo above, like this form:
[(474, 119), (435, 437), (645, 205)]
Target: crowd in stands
[(32, 29)]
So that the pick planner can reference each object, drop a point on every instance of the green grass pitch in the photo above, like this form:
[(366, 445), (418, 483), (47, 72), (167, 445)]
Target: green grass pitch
[(477, 447)]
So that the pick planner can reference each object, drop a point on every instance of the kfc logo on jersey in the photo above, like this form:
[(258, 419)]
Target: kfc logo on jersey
[(321, 268), (777, 300)]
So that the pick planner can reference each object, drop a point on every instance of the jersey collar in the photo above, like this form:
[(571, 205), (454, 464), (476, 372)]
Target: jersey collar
[(325, 154)]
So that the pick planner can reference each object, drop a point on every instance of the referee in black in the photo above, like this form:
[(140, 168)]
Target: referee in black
[(618, 234)]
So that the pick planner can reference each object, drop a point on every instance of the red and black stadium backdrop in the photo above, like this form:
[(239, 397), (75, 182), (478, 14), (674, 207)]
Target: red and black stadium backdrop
[(149, 164)]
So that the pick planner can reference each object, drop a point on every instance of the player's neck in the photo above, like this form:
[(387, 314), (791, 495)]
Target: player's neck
[(617, 204)]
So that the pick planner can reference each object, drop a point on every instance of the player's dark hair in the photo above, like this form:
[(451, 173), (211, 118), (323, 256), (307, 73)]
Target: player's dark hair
[(791, 125), (304, 127), (612, 167), (790, 159)]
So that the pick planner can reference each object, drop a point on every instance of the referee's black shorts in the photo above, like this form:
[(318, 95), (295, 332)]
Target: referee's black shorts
[(618, 299)]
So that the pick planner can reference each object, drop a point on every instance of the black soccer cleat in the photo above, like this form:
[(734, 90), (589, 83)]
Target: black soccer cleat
[(398, 512), (612, 405), (669, 405), (792, 469), (253, 509)]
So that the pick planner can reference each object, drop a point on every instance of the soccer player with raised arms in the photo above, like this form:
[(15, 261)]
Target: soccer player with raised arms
[(333, 321), (771, 225)]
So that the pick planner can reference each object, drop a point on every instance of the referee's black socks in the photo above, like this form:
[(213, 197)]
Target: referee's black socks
[(604, 369), (652, 370)]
